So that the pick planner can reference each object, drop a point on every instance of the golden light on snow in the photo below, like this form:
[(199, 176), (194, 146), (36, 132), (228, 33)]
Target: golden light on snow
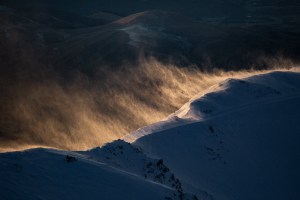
[(83, 115)]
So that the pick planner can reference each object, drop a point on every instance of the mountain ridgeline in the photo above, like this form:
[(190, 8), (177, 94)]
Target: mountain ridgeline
[(73, 71)]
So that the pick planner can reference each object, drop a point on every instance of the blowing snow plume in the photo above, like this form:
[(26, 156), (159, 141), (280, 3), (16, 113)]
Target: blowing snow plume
[(83, 112)]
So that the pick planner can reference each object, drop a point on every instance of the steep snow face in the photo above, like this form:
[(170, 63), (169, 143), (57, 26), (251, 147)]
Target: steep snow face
[(240, 141)]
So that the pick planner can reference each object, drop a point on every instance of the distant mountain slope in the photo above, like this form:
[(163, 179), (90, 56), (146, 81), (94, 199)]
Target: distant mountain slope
[(238, 141), (222, 43), (71, 41)]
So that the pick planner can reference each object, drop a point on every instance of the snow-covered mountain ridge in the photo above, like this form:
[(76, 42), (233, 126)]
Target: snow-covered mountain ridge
[(229, 96), (240, 140), (115, 171)]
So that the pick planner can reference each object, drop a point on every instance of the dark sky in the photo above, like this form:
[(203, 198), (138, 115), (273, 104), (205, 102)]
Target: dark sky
[(192, 8)]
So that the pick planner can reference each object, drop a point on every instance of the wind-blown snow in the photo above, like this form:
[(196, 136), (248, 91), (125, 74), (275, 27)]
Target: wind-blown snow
[(239, 140), (244, 142), (227, 96)]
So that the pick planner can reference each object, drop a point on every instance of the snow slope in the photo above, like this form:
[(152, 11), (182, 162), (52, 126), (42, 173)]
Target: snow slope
[(239, 141), (44, 174), (125, 173)]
